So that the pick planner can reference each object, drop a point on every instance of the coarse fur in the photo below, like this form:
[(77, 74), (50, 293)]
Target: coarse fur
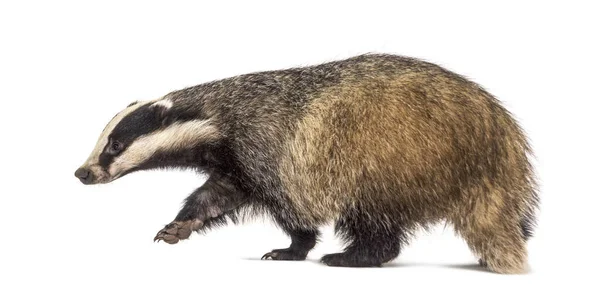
[(379, 144)]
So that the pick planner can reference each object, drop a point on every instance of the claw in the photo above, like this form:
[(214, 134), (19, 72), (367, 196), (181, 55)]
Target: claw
[(158, 236), (269, 255)]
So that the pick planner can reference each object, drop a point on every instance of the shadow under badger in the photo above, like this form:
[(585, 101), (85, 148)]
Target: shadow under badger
[(379, 144)]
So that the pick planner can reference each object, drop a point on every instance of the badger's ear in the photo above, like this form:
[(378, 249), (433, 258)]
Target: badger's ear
[(162, 111)]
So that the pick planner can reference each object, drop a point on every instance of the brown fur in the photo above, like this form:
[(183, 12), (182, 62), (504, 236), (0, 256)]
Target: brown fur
[(438, 143)]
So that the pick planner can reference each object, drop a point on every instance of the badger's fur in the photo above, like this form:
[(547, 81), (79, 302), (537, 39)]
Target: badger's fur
[(379, 144)]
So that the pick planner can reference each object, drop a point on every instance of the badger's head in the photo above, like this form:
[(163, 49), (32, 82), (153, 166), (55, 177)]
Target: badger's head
[(144, 135)]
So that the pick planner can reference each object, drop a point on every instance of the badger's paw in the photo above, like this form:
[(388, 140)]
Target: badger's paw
[(284, 254), (177, 230)]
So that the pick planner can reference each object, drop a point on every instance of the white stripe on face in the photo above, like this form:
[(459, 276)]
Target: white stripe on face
[(94, 157), (178, 136)]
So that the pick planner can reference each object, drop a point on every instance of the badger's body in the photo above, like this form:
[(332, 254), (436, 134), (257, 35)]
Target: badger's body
[(378, 144)]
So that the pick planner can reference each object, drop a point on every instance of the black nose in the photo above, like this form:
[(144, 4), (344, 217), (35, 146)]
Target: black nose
[(84, 175)]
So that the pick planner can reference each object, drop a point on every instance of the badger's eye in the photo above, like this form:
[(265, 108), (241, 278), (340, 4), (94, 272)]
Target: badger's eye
[(115, 147)]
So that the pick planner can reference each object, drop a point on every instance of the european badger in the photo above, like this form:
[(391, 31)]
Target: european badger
[(379, 144)]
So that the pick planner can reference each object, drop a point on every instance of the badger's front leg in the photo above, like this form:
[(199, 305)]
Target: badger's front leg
[(216, 197)]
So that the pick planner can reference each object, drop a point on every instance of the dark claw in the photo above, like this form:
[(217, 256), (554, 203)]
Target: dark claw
[(159, 237), (269, 255)]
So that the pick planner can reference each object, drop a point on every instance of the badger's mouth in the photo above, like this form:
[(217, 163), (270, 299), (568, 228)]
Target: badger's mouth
[(94, 174)]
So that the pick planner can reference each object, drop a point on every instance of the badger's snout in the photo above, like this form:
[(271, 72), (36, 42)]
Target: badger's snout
[(84, 175)]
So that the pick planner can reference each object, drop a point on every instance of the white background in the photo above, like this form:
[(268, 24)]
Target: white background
[(67, 68)]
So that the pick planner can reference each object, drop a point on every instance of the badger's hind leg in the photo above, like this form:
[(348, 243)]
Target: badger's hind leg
[(526, 225), (501, 249), (372, 239), (495, 233), (302, 242)]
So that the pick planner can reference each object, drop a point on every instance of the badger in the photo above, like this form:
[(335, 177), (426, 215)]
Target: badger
[(380, 145)]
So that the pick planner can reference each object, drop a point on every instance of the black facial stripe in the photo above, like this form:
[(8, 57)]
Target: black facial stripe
[(105, 159), (141, 121)]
